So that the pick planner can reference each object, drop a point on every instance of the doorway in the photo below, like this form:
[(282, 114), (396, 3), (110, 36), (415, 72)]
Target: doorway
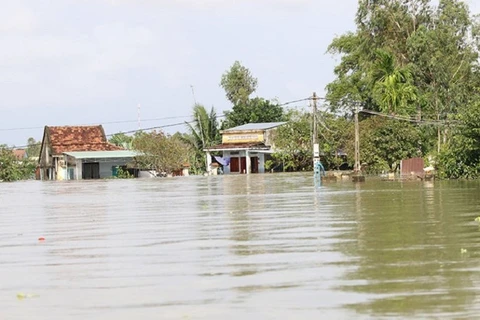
[(91, 171), (254, 164)]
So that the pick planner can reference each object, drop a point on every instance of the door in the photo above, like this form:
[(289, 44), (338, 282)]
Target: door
[(234, 165), (243, 165), (254, 164), (91, 170)]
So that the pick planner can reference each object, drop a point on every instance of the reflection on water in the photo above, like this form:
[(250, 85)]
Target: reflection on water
[(260, 246)]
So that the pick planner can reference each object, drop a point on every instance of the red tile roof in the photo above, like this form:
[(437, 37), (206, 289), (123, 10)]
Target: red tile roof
[(20, 154), (79, 138)]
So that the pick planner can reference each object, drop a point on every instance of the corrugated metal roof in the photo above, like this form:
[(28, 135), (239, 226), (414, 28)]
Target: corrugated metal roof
[(102, 154), (255, 126)]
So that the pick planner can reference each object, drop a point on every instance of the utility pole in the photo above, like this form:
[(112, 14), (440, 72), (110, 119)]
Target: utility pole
[(193, 95), (316, 150), (138, 115), (357, 176), (317, 165), (357, 142)]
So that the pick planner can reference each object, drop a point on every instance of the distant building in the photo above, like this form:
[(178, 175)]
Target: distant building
[(245, 148), (20, 154), (79, 152)]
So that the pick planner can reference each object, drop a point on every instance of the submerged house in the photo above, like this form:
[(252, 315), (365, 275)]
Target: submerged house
[(79, 152), (245, 148)]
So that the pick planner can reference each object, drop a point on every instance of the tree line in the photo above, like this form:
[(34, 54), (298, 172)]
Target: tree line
[(411, 68)]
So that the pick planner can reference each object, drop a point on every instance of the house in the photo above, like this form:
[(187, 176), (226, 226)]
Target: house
[(245, 148), (20, 154), (79, 152)]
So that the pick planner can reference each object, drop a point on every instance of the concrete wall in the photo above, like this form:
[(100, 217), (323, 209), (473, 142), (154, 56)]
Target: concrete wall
[(261, 160), (106, 168), (78, 170)]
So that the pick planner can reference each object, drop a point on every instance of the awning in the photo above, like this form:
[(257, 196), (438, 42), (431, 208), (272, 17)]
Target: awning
[(102, 154), (222, 161)]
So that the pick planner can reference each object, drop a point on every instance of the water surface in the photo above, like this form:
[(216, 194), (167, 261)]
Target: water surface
[(244, 247)]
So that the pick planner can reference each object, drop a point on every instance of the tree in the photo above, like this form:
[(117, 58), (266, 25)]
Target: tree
[(460, 156), (238, 84), (392, 89), (385, 142), (33, 148), (293, 142), (335, 136), (11, 169), (160, 151), (122, 140), (409, 56), (203, 133), (381, 24), (256, 110)]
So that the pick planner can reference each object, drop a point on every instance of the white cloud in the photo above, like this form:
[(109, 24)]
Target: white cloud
[(59, 64), (15, 17), (216, 4)]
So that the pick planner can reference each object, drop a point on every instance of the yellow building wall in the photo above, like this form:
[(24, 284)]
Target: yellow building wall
[(242, 137)]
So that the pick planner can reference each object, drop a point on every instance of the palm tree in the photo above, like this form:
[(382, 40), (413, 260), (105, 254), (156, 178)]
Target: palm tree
[(393, 89), (203, 133)]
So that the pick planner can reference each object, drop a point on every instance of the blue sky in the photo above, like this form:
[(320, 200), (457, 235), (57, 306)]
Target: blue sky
[(73, 62)]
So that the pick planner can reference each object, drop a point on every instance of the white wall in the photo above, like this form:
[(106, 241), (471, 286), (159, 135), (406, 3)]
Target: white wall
[(226, 169), (78, 169), (261, 158), (106, 168), (261, 162)]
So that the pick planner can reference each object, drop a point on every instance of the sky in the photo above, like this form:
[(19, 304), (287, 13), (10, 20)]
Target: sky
[(113, 62)]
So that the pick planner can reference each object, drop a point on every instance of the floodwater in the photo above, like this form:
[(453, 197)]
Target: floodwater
[(266, 246)]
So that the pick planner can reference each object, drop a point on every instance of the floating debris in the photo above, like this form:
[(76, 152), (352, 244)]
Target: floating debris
[(21, 295)]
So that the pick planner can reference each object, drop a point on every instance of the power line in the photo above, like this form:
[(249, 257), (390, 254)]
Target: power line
[(160, 127), (143, 120), (295, 101), (108, 122), (404, 118)]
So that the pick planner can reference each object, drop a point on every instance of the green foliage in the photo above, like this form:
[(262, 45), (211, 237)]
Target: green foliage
[(336, 134), (160, 151), (11, 169), (385, 142), (460, 156), (392, 90), (238, 84), (256, 110), (124, 174), (33, 148), (293, 143), (203, 133), (415, 57), (122, 140)]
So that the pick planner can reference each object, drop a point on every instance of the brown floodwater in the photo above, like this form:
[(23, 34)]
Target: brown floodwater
[(266, 246)]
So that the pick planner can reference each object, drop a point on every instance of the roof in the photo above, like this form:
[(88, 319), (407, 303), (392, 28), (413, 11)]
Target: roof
[(78, 138), (102, 154), (20, 154), (255, 126)]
